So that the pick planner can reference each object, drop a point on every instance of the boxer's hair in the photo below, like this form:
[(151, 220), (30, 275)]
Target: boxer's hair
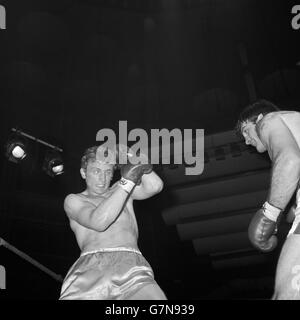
[(89, 155), (252, 111)]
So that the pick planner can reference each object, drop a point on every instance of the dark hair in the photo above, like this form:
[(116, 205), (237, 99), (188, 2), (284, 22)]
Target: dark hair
[(252, 111)]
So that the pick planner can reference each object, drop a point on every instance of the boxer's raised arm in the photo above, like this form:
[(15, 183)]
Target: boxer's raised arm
[(285, 155), (151, 184), (142, 181), (100, 217)]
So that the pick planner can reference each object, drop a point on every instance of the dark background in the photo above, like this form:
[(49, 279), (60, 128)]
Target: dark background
[(71, 67)]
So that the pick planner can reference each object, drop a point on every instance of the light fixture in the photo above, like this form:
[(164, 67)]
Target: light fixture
[(53, 163), (16, 148)]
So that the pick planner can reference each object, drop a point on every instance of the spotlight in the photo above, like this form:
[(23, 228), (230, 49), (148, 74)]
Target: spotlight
[(16, 148), (53, 163)]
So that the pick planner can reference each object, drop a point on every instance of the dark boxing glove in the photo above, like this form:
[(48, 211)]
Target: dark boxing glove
[(263, 227), (132, 173)]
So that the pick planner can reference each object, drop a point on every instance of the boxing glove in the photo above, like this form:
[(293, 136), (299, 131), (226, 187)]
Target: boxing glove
[(263, 227), (134, 172)]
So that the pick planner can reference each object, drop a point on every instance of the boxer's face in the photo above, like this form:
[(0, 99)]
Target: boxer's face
[(97, 176), (251, 137)]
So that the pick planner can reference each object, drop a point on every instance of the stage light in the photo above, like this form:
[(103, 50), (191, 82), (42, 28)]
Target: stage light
[(53, 163), (16, 148), (18, 145)]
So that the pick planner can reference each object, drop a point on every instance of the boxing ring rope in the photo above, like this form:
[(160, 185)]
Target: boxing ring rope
[(26, 257)]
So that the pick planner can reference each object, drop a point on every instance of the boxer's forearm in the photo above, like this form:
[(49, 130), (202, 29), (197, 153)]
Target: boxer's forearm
[(151, 183), (284, 181), (109, 209)]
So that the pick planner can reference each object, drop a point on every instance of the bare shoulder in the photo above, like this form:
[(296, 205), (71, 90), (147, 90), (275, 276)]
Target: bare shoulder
[(74, 203), (271, 121), (276, 136), (72, 197)]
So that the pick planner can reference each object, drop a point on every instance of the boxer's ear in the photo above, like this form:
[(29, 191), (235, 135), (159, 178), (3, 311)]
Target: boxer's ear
[(260, 116), (82, 172)]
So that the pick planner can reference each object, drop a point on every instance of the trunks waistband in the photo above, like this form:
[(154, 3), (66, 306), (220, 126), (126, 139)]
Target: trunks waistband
[(118, 249)]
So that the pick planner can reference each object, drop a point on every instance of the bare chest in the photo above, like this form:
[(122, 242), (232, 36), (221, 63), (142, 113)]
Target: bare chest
[(125, 221)]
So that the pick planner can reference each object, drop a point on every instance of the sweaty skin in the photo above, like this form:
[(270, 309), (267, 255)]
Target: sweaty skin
[(123, 232), (279, 134), (103, 220), (95, 216)]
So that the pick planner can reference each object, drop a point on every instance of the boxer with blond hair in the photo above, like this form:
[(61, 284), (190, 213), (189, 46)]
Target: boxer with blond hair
[(102, 217)]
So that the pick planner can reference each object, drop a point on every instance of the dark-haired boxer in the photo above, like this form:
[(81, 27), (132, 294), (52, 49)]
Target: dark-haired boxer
[(111, 265), (267, 128)]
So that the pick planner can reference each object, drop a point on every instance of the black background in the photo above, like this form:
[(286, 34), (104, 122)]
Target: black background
[(71, 67)]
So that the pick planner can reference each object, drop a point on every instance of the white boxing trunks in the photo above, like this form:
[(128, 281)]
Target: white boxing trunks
[(107, 274)]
